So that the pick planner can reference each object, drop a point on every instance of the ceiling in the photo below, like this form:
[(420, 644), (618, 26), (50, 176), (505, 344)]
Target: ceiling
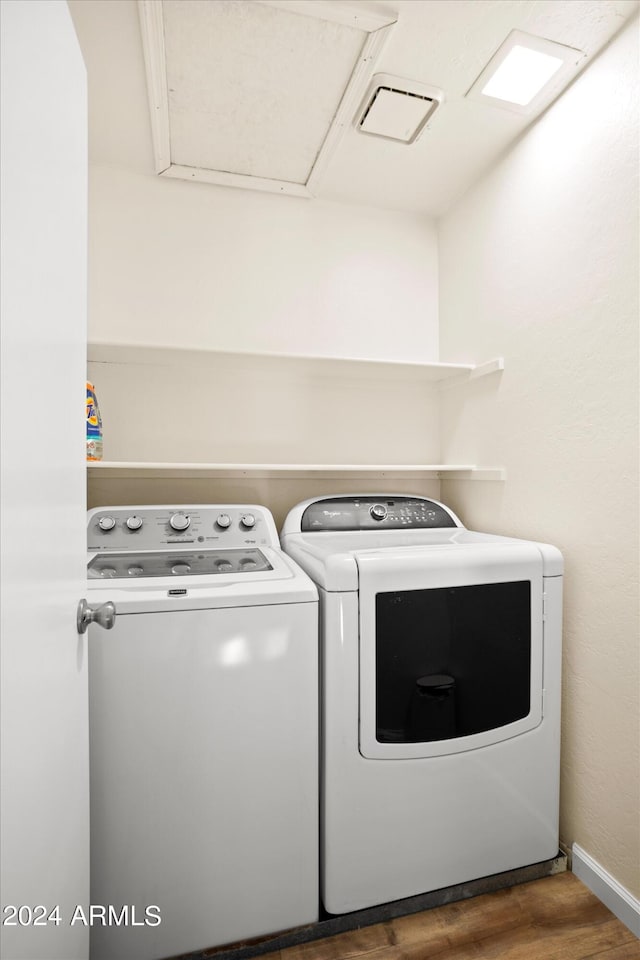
[(442, 43)]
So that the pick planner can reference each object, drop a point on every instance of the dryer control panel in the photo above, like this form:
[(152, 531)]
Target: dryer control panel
[(164, 527), (376, 513)]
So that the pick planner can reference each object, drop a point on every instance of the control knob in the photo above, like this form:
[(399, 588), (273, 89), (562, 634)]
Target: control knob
[(106, 523), (378, 511), (134, 523), (180, 521), (180, 569), (248, 521), (135, 570), (224, 521)]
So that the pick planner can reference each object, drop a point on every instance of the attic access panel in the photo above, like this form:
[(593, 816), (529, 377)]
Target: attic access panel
[(255, 93)]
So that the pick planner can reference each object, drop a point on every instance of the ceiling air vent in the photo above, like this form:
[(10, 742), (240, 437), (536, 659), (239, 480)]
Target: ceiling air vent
[(397, 109)]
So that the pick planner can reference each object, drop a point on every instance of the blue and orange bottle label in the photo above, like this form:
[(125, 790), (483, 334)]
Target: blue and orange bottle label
[(94, 425)]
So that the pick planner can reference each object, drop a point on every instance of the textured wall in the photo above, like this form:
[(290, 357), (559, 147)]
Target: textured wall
[(539, 262), (184, 264)]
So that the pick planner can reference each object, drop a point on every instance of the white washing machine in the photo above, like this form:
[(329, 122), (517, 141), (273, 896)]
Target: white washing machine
[(440, 663), (203, 730)]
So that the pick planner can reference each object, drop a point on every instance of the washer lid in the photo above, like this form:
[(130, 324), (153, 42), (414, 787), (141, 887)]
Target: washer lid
[(279, 581), (177, 563)]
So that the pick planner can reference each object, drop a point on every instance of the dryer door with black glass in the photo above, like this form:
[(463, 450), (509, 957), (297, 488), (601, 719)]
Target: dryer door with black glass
[(450, 648)]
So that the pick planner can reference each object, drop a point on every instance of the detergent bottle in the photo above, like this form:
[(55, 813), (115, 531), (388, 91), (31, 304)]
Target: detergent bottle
[(94, 425)]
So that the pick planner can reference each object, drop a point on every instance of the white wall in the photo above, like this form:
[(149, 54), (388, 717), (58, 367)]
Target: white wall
[(539, 262), (190, 265), (182, 265), (188, 406)]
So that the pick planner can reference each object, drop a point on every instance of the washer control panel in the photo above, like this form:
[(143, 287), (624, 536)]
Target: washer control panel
[(229, 526), (375, 513)]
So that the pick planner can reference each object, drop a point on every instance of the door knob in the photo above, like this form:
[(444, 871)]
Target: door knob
[(104, 615)]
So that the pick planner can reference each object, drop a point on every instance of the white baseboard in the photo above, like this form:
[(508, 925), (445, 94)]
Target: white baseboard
[(606, 888)]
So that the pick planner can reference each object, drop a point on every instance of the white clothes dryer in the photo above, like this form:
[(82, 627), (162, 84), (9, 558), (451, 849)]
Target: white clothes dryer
[(203, 731), (440, 716)]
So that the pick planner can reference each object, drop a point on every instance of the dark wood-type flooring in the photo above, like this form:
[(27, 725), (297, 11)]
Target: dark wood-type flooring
[(555, 918)]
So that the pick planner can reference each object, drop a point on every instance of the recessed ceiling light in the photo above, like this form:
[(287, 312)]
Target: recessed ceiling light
[(522, 74), (525, 73)]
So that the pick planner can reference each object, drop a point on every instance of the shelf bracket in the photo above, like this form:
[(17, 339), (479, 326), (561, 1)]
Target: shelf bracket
[(481, 370)]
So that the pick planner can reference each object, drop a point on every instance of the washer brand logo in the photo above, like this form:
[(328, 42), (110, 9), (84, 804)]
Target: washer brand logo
[(176, 593)]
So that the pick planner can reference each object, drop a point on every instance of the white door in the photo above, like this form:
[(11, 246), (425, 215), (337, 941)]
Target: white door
[(45, 780)]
